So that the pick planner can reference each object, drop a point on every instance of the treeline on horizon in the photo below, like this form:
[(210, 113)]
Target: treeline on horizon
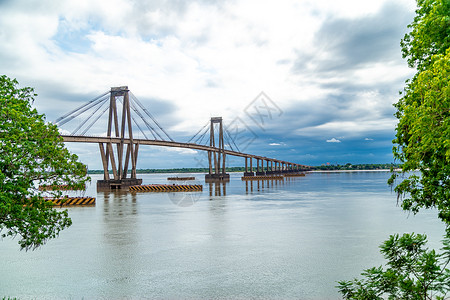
[(328, 167)]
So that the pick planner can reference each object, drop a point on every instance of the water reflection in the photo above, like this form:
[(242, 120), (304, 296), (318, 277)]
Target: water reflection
[(119, 217), (120, 238), (260, 185), (118, 202), (217, 189), (257, 185)]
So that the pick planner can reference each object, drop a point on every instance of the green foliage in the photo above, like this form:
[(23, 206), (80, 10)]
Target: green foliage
[(429, 35), (423, 139), (412, 272), (422, 143), (423, 132), (31, 154)]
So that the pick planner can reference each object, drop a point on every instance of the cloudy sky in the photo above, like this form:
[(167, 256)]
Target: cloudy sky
[(312, 81)]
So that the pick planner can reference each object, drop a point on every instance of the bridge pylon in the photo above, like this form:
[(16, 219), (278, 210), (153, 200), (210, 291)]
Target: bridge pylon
[(216, 159), (123, 131)]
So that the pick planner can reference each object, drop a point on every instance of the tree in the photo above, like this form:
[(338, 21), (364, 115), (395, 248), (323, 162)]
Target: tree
[(413, 272), (423, 139), (422, 143), (32, 153), (423, 132), (429, 35)]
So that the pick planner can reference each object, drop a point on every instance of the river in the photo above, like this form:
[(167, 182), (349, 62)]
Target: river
[(273, 240)]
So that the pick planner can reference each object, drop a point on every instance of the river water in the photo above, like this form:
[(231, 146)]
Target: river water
[(279, 240)]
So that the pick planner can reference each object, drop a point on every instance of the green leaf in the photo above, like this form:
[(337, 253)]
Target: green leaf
[(31, 154)]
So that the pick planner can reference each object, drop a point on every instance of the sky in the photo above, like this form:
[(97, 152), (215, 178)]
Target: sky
[(308, 81)]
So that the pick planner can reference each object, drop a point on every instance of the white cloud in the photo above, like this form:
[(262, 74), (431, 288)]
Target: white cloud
[(368, 139), (205, 58), (63, 131), (349, 127), (180, 150), (333, 140)]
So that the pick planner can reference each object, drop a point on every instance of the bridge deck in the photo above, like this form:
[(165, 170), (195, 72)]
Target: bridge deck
[(118, 140)]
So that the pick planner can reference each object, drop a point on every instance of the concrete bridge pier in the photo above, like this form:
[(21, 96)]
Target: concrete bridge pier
[(260, 171), (274, 169), (124, 157), (290, 168), (248, 172), (278, 167), (218, 158), (284, 168), (269, 169), (106, 185)]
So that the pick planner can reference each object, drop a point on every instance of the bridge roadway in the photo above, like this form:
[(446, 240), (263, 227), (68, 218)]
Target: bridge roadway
[(118, 140)]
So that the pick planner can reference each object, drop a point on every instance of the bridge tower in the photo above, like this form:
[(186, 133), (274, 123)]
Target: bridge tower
[(216, 158), (125, 133)]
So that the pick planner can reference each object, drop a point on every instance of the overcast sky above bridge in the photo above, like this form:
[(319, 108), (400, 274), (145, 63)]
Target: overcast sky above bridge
[(330, 70)]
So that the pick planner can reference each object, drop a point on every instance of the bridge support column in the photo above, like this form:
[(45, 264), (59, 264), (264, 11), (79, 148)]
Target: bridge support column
[(269, 169), (119, 180), (219, 173), (259, 171), (247, 172)]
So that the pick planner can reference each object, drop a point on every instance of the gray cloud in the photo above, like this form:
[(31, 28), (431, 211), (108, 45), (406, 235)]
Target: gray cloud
[(169, 13), (68, 51), (341, 49), (347, 44)]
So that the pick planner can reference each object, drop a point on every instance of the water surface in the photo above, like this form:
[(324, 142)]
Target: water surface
[(282, 239)]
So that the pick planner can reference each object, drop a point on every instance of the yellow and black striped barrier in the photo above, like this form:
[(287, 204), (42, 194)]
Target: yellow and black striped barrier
[(294, 175), (62, 187), (166, 188), (71, 201), (280, 177)]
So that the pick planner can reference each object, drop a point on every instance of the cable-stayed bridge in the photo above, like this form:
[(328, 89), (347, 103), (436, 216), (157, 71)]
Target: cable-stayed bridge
[(130, 125)]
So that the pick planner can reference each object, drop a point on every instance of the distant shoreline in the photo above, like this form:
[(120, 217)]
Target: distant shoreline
[(322, 169), (348, 171)]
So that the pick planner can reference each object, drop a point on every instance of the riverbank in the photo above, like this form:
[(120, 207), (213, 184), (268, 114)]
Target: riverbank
[(323, 168), (350, 171)]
